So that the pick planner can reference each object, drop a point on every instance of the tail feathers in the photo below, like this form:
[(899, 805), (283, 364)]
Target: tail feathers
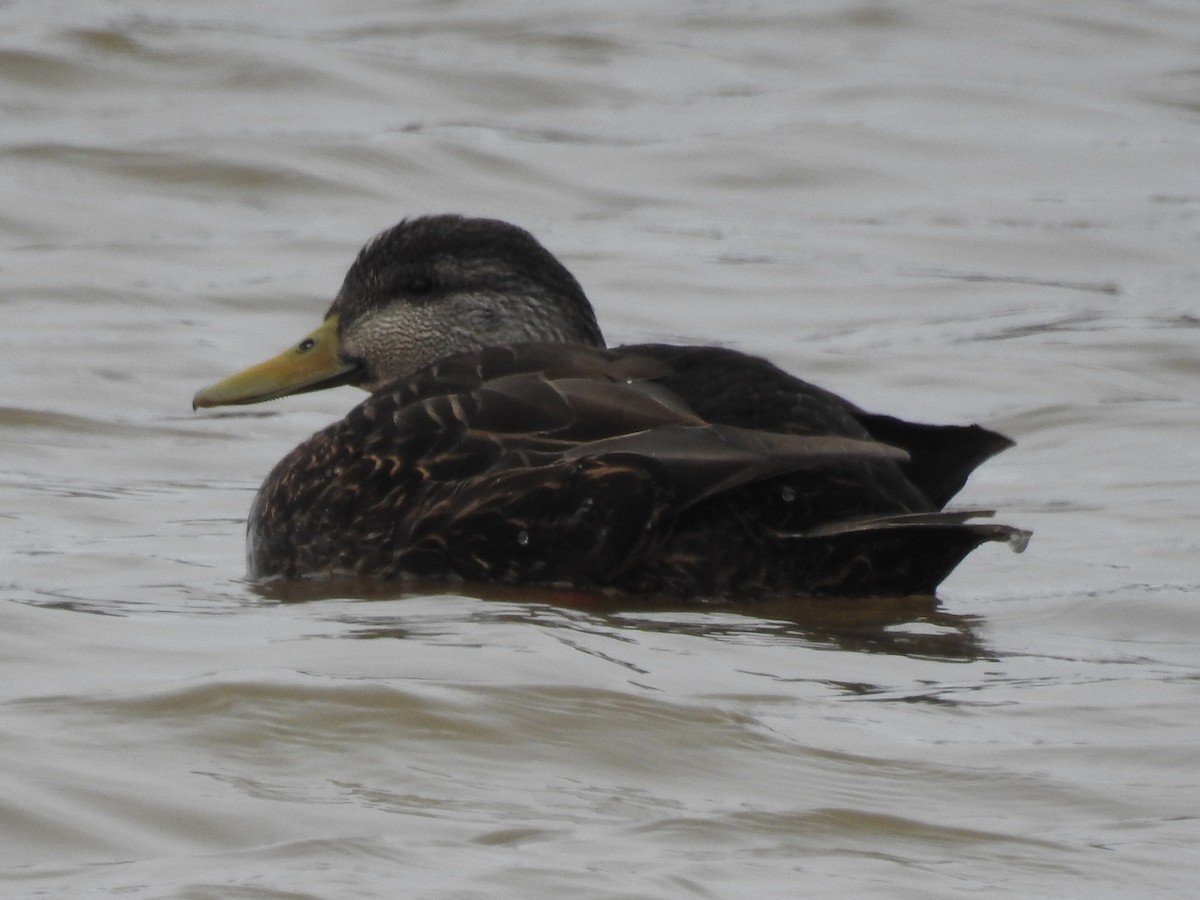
[(1016, 538), (941, 457), (893, 555)]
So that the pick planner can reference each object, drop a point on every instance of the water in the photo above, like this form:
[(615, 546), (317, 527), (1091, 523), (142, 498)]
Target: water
[(968, 212)]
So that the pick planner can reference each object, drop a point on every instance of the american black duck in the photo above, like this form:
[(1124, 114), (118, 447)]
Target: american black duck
[(502, 442)]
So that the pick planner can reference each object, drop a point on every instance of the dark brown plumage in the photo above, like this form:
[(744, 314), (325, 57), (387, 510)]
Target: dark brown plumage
[(503, 443)]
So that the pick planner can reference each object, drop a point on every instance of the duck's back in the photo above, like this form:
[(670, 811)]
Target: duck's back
[(728, 386)]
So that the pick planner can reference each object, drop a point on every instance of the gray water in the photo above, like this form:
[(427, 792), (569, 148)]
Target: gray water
[(955, 212)]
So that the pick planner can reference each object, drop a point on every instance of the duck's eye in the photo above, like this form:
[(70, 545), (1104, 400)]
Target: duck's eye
[(418, 286), (406, 283), (306, 344)]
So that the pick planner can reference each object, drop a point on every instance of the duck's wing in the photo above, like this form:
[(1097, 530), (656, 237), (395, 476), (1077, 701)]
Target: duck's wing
[(583, 464), (584, 477), (532, 420)]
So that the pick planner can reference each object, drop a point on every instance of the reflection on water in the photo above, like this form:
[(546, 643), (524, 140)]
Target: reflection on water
[(916, 625)]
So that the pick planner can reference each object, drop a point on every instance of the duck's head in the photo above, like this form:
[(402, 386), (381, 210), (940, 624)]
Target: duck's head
[(425, 289)]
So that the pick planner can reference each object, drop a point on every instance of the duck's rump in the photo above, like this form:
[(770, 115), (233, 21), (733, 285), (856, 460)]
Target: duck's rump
[(697, 472)]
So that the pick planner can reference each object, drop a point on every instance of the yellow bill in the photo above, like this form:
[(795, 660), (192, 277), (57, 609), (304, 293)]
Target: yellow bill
[(310, 365)]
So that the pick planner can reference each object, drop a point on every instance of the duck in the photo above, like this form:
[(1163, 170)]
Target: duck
[(504, 443)]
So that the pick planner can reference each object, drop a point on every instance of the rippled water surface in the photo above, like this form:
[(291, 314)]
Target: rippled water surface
[(959, 212)]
